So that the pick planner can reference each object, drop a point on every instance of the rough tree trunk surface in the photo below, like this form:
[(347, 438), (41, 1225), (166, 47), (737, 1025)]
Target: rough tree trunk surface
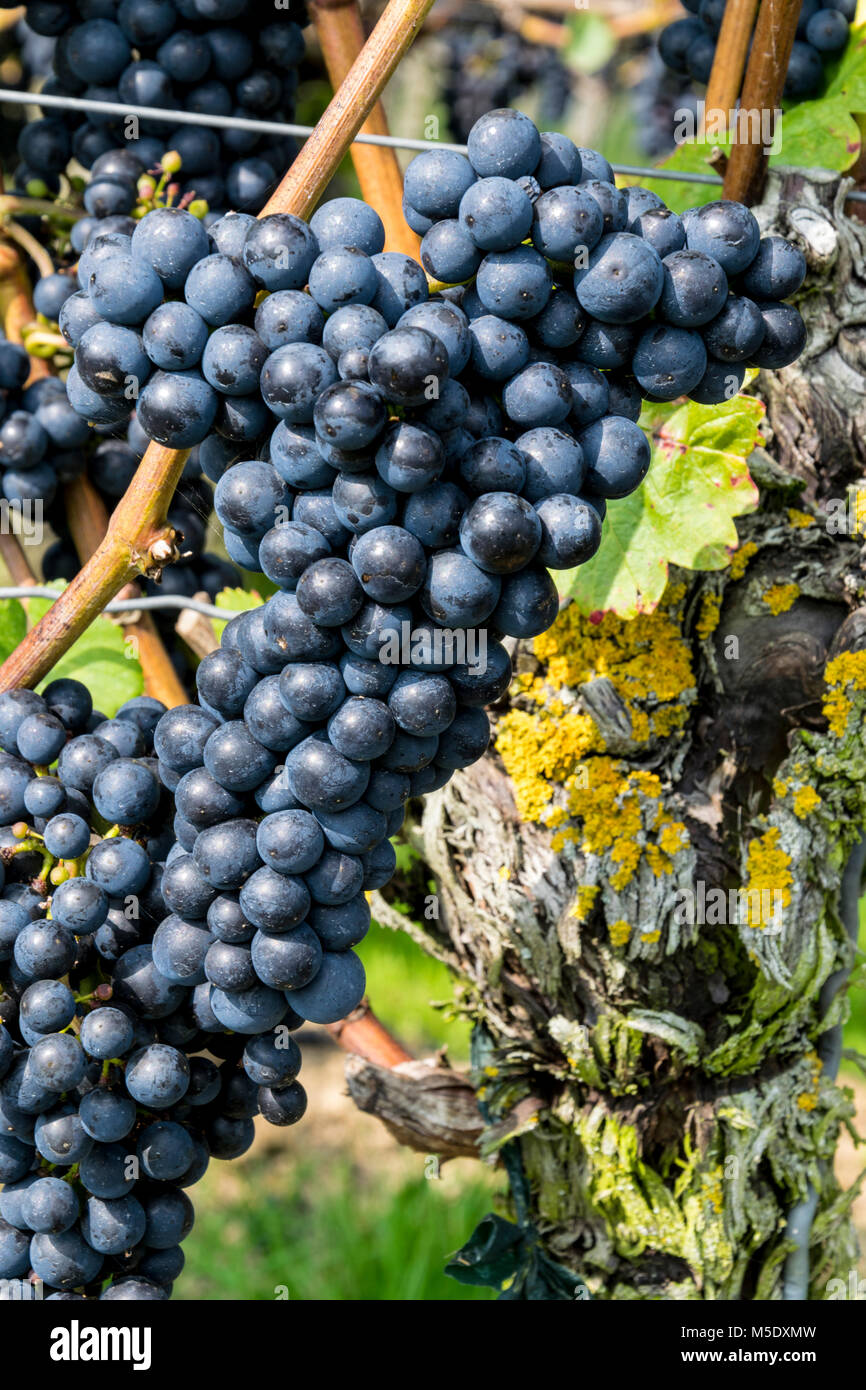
[(656, 1081)]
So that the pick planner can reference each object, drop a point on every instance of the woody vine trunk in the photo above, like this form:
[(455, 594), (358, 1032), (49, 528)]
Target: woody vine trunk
[(655, 1073)]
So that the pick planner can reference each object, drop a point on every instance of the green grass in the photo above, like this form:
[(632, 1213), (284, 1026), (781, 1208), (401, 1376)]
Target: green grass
[(854, 1035), (402, 983), (322, 1231)]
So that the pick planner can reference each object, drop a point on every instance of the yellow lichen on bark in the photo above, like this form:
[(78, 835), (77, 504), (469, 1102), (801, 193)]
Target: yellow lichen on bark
[(768, 870), (708, 619), (741, 558), (540, 750), (780, 597), (552, 749), (808, 1099), (586, 896), (643, 657), (800, 520), (845, 672), (619, 933), (806, 799)]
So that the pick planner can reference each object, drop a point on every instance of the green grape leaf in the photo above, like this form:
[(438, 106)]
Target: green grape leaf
[(691, 158), (102, 658), (820, 134), (683, 512), (238, 600), (13, 626), (847, 76), (235, 601), (501, 1255), (492, 1255)]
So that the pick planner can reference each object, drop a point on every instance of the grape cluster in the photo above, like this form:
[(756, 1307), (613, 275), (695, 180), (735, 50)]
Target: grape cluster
[(42, 438), (119, 1077), (659, 103), (688, 46), (212, 57), (406, 469), (24, 58), (612, 282), (111, 449), (488, 66)]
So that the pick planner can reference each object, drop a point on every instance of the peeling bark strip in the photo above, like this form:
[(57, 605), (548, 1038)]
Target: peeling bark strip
[(657, 1078)]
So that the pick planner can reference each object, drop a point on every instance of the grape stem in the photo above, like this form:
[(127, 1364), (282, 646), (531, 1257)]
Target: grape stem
[(139, 538), (340, 31), (28, 243), (16, 304), (770, 54), (25, 206)]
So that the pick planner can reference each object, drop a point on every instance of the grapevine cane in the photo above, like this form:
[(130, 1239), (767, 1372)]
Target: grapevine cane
[(762, 92), (139, 538), (341, 35), (311, 172), (88, 523), (16, 306), (364, 1035), (729, 64)]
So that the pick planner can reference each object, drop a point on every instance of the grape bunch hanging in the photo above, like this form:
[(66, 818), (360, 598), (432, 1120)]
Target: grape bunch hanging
[(210, 57), (688, 46), (106, 1015), (184, 888)]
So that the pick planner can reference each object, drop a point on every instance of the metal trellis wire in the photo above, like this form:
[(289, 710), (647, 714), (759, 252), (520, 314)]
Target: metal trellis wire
[(126, 605), (396, 142)]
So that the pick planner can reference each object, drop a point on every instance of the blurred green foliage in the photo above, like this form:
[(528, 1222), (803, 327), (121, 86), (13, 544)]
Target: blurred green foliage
[(325, 1231), (854, 1035), (404, 982)]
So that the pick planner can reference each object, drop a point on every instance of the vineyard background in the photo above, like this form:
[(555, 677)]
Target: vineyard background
[(393, 1216)]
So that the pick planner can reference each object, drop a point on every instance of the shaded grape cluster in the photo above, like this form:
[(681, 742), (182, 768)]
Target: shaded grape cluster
[(118, 1081), (488, 66), (688, 46), (211, 57), (661, 103), (42, 438)]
